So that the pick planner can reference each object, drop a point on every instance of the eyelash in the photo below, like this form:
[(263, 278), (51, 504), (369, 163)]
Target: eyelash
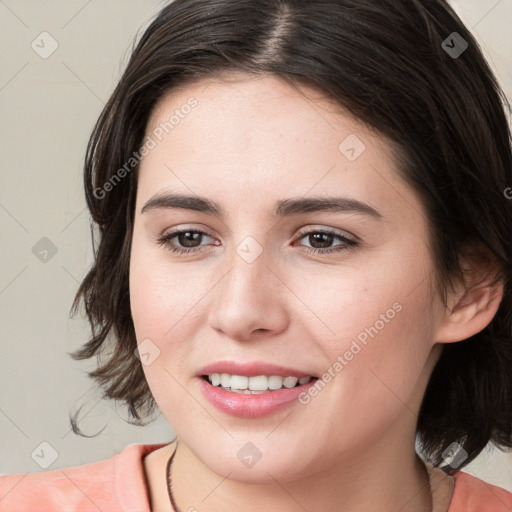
[(347, 245)]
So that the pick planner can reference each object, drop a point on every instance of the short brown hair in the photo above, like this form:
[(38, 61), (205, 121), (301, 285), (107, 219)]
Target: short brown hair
[(388, 63)]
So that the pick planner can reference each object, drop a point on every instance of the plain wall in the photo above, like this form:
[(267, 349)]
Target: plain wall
[(48, 107)]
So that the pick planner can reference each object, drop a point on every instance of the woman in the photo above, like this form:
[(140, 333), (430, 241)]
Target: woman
[(304, 263)]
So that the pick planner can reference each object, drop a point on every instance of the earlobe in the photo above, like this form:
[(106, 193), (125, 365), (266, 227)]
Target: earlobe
[(472, 312)]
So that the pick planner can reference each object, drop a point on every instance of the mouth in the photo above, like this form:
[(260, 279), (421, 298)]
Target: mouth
[(253, 389), (255, 385)]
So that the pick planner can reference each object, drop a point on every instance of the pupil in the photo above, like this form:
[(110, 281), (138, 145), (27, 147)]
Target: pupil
[(188, 242), (317, 238)]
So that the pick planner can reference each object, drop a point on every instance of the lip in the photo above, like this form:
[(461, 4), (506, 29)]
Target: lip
[(251, 406), (252, 369)]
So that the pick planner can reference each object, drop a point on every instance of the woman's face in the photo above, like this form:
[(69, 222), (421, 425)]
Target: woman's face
[(341, 294)]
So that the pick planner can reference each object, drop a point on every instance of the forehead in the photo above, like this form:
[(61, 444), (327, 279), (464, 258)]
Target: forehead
[(239, 96), (250, 137)]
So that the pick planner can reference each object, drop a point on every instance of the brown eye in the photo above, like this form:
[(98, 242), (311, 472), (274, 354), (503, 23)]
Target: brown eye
[(321, 240), (187, 240)]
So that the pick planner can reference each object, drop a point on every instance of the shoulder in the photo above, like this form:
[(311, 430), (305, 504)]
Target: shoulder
[(474, 495), (116, 483)]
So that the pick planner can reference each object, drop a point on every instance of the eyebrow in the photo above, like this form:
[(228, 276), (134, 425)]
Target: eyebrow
[(282, 208)]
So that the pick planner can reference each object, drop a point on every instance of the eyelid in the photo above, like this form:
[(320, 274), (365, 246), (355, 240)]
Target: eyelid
[(336, 231), (180, 229)]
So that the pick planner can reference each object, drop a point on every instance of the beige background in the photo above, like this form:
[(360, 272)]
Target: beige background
[(48, 107)]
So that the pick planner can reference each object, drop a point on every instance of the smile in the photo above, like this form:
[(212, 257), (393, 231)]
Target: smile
[(254, 385), (253, 403)]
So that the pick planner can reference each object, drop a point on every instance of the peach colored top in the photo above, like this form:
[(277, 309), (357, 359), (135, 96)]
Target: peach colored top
[(118, 484)]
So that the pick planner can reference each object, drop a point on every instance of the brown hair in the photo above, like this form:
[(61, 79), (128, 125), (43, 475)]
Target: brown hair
[(398, 67)]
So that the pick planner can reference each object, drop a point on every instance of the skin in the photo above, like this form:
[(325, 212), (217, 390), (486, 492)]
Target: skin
[(250, 142)]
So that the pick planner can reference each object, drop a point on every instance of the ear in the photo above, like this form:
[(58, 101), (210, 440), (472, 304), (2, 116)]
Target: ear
[(471, 306)]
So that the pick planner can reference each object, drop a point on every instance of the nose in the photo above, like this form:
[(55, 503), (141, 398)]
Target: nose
[(250, 299)]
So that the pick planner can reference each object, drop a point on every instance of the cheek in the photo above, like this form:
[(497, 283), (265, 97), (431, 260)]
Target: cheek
[(374, 325), (160, 299), (165, 304), (375, 355), (161, 294)]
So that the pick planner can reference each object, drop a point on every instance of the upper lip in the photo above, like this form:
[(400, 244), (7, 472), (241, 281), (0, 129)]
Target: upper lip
[(251, 369)]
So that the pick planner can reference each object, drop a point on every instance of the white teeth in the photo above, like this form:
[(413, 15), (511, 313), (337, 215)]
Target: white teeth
[(259, 383), (238, 382), (275, 382), (254, 385), (289, 382)]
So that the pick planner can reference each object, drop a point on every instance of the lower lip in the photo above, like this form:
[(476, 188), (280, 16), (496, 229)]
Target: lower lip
[(251, 406)]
